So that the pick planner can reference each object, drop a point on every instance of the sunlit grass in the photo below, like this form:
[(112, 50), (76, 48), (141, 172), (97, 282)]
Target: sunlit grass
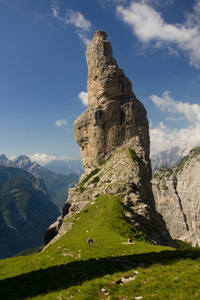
[(68, 269)]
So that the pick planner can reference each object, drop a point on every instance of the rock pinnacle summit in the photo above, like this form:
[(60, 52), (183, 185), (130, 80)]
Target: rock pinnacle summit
[(115, 118)]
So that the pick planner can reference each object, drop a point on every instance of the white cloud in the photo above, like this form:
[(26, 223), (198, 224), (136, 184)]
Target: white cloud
[(84, 98), (55, 9), (75, 18), (148, 25), (117, 1), (174, 119), (61, 122), (84, 38), (167, 103), (78, 20), (162, 137), (160, 2), (44, 159)]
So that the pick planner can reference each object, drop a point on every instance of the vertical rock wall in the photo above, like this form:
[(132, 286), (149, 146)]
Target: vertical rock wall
[(115, 118), (177, 196)]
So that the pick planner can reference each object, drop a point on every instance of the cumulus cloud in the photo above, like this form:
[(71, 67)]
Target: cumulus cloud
[(43, 159), (148, 25), (84, 98), (167, 103), (78, 20), (163, 137), (61, 122), (75, 18)]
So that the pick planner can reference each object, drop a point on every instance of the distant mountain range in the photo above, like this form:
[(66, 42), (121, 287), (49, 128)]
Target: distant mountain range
[(169, 157), (66, 167), (26, 211), (57, 185)]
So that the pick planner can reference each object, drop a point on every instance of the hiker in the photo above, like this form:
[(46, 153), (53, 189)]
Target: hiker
[(130, 240), (90, 241)]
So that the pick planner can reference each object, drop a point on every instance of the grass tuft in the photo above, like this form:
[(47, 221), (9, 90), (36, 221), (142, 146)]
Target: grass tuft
[(133, 154), (92, 173)]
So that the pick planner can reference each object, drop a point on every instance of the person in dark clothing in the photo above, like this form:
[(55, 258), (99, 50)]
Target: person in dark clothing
[(90, 241)]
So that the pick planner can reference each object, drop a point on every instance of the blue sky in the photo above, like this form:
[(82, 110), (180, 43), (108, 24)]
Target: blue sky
[(43, 71)]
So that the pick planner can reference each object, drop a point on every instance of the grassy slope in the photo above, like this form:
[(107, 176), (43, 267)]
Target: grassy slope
[(69, 269)]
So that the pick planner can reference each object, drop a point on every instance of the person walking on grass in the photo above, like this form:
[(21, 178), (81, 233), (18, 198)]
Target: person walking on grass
[(90, 241), (130, 240)]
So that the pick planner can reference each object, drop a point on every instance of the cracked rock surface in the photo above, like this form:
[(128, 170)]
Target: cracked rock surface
[(177, 197)]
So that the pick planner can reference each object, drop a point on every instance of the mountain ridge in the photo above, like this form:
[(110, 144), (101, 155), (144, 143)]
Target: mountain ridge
[(25, 211), (169, 157), (56, 184), (66, 167)]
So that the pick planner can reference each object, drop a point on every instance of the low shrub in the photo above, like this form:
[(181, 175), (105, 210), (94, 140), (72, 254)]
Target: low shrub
[(133, 154), (94, 172), (95, 179)]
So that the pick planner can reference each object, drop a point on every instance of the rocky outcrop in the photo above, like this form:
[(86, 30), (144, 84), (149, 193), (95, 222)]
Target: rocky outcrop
[(123, 174), (177, 197), (113, 135), (105, 80), (115, 118)]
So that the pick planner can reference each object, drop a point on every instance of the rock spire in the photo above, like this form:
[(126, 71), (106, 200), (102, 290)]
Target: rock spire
[(113, 135), (105, 80), (115, 118)]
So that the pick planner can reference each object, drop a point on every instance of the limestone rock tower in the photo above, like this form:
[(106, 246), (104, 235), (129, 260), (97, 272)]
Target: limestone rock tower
[(113, 136), (115, 118)]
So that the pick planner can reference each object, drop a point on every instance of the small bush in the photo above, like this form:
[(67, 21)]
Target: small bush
[(165, 187), (95, 179), (94, 172), (133, 154), (82, 189)]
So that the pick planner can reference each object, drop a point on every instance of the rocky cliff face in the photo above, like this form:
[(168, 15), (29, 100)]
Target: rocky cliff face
[(177, 197), (115, 118), (113, 136)]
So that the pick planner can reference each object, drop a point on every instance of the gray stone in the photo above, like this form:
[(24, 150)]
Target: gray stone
[(177, 197)]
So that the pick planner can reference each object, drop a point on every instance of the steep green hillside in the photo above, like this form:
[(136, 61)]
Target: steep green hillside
[(57, 185), (25, 211), (110, 269)]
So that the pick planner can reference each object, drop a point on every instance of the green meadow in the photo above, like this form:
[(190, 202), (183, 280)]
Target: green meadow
[(110, 269)]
